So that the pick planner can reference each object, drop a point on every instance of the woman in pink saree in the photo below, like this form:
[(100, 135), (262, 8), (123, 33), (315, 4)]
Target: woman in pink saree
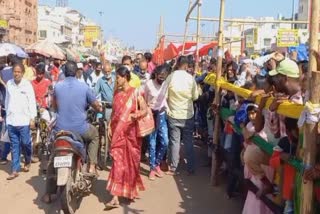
[(124, 178)]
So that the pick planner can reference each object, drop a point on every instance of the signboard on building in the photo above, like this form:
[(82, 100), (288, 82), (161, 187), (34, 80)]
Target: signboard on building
[(288, 38), (249, 41), (3, 23), (91, 34), (251, 38), (255, 35)]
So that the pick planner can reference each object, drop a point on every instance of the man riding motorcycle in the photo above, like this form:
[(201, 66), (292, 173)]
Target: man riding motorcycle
[(41, 87), (70, 101)]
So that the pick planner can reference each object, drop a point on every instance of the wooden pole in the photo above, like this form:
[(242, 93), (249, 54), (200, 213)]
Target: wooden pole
[(186, 31), (310, 130), (251, 21), (198, 35), (216, 135)]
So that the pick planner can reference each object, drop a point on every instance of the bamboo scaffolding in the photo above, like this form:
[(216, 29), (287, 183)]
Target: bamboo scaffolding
[(215, 153), (252, 21), (311, 130), (186, 30)]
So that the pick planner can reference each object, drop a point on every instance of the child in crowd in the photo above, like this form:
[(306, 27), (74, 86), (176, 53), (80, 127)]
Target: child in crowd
[(253, 155), (287, 147)]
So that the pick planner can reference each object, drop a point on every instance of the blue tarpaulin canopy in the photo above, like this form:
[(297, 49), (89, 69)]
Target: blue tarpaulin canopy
[(302, 50)]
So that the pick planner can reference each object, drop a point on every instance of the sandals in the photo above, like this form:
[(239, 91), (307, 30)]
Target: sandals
[(172, 173), (26, 168), (112, 205), (13, 176), (46, 199)]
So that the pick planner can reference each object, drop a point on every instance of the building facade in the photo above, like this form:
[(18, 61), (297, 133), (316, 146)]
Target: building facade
[(303, 12), (267, 36), (66, 25), (233, 36), (54, 24), (19, 21)]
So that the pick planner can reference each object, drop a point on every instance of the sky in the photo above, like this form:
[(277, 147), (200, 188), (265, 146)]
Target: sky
[(136, 22)]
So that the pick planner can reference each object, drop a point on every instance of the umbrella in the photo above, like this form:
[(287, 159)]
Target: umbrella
[(8, 48), (71, 54), (47, 49)]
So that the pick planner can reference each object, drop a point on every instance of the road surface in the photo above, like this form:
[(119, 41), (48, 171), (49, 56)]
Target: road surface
[(168, 195)]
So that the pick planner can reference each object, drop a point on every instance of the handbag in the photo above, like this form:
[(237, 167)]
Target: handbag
[(145, 125), (5, 137)]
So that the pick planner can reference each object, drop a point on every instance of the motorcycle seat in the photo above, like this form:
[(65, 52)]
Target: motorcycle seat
[(74, 136)]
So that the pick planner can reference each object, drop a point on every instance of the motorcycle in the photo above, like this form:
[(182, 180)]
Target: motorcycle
[(69, 160), (40, 138)]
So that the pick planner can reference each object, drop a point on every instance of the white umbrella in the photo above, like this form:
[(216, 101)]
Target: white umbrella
[(47, 49), (8, 48)]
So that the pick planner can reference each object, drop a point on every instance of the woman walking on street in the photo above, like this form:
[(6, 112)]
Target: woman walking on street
[(124, 178), (158, 140)]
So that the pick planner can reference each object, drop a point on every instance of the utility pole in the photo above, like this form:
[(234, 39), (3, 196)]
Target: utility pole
[(215, 155), (310, 129)]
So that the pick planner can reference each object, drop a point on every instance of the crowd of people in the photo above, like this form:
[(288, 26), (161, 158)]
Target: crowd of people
[(180, 101)]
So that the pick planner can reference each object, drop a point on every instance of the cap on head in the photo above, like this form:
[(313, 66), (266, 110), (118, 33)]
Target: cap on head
[(79, 65), (286, 67)]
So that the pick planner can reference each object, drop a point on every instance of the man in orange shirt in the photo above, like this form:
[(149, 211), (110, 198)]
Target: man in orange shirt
[(55, 71), (41, 86)]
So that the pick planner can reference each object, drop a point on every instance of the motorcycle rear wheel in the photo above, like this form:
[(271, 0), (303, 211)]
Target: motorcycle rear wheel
[(103, 153), (70, 202)]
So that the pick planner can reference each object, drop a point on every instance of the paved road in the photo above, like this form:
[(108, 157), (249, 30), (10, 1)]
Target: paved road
[(169, 195)]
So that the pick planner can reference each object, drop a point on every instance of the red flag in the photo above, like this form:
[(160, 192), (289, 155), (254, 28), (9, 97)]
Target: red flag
[(158, 54)]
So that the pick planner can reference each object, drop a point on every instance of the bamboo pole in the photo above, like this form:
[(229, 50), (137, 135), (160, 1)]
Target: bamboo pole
[(187, 36), (310, 130), (186, 30), (251, 21), (216, 135), (198, 35)]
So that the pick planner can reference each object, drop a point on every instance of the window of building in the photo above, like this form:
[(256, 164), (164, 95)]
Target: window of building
[(43, 34), (267, 42)]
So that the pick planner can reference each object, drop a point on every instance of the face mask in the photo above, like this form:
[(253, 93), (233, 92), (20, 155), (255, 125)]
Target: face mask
[(129, 68), (108, 76)]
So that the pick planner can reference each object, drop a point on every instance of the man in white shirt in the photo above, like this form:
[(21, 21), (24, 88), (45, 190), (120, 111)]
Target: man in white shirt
[(96, 75), (20, 104), (81, 77)]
